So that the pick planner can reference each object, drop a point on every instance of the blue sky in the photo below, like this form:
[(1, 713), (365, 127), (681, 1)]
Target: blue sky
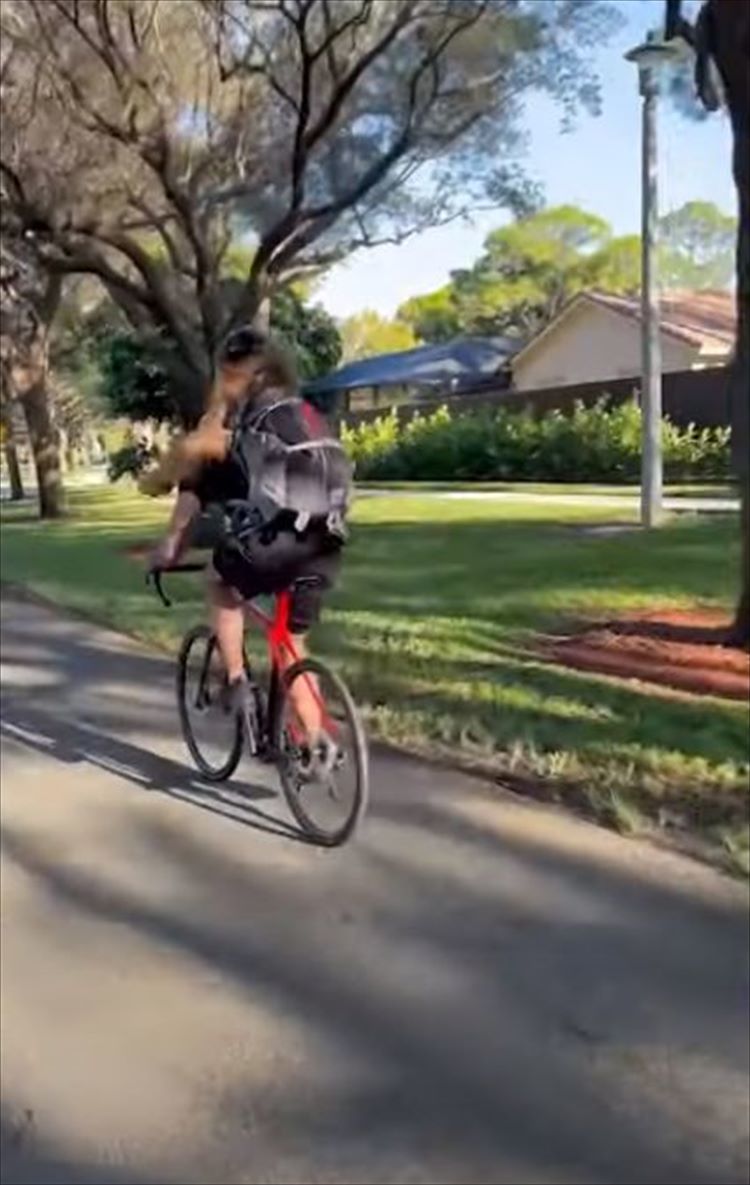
[(595, 166)]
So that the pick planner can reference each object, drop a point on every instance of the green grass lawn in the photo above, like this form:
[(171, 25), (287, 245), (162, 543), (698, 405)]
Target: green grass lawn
[(435, 624)]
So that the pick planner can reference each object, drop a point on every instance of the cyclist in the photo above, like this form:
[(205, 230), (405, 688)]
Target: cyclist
[(256, 386)]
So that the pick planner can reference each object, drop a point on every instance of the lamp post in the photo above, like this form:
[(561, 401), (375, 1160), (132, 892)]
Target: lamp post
[(649, 57)]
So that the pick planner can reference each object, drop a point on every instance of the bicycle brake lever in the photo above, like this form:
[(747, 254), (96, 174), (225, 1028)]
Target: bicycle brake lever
[(154, 577)]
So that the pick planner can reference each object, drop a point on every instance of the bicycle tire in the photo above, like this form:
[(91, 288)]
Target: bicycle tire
[(211, 772), (322, 836)]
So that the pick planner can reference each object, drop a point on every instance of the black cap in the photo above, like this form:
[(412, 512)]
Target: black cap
[(241, 343)]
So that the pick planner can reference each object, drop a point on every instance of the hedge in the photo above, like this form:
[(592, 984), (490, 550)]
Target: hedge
[(598, 443)]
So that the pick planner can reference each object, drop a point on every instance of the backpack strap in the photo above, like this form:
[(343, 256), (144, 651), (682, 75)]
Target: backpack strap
[(256, 417), (323, 443)]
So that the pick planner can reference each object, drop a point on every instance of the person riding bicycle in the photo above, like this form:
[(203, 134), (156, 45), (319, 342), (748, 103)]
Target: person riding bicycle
[(269, 461)]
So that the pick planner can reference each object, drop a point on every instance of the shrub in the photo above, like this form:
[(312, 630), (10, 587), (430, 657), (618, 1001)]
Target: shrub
[(598, 443)]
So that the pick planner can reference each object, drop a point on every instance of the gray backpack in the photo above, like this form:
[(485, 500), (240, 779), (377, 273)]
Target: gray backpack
[(310, 479)]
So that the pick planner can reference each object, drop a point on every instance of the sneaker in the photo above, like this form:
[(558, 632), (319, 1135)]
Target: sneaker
[(239, 695), (319, 761)]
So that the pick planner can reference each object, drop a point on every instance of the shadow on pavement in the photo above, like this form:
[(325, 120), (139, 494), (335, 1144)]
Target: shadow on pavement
[(480, 999), (538, 1085), (74, 743)]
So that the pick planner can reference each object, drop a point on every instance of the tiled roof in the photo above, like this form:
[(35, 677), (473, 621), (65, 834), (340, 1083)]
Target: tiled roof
[(699, 318)]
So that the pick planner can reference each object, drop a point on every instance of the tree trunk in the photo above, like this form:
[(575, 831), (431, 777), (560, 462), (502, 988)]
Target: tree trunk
[(14, 472), (63, 451), (739, 635), (30, 383), (729, 32), (740, 381), (25, 371), (45, 446), (15, 477)]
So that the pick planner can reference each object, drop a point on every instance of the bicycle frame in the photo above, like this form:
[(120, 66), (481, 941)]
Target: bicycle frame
[(276, 628), (282, 653), (276, 718)]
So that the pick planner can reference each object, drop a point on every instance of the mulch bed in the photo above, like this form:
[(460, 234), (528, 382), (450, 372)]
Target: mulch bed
[(681, 650)]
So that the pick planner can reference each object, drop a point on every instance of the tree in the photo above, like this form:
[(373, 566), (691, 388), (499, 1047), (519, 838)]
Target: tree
[(526, 273), (532, 267), (721, 39), (529, 270), (367, 333), (616, 267), (8, 441), (309, 331), (134, 382), (432, 317), (86, 323), (137, 383), (29, 298), (697, 247), (321, 127)]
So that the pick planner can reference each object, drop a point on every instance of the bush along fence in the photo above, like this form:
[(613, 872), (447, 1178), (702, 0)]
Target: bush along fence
[(597, 443)]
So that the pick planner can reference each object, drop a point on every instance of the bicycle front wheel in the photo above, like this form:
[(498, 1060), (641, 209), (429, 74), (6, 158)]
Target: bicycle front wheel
[(212, 730), (327, 790)]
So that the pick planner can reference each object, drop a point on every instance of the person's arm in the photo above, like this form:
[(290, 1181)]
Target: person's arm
[(168, 552)]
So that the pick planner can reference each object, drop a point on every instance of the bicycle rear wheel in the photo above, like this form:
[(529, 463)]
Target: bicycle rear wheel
[(212, 731), (327, 802)]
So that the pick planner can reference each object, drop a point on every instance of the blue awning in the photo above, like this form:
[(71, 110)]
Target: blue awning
[(463, 359)]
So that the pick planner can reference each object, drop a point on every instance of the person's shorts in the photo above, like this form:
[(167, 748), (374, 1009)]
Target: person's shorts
[(313, 559)]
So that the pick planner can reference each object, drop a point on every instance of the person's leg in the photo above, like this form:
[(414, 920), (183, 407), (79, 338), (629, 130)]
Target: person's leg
[(318, 574), (228, 623), (304, 692)]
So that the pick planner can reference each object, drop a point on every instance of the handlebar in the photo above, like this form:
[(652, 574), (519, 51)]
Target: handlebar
[(155, 574)]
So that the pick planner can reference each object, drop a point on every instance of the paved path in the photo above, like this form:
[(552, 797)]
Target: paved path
[(478, 990), (615, 501), (627, 500)]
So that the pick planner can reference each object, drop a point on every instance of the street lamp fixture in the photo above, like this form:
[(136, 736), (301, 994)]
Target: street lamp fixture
[(650, 57)]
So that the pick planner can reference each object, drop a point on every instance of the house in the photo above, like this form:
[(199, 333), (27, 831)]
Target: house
[(598, 337), (389, 380)]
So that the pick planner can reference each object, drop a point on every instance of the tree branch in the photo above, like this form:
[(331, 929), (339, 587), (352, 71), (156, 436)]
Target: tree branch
[(675, 24), (158, 159), (404, 16)]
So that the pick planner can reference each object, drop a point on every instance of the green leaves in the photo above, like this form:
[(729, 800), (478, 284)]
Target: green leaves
[(530, 268), (698, 245), (309, 331), (526, 273), (433, 317), (599, 443), (367, 334)]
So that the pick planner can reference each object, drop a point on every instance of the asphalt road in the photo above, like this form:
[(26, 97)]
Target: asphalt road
[(477, 990)]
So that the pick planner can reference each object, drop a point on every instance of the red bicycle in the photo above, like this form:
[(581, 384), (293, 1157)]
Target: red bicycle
[(327, 802)]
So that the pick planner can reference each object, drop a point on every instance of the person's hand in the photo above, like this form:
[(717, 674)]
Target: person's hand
[(165, 554)]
